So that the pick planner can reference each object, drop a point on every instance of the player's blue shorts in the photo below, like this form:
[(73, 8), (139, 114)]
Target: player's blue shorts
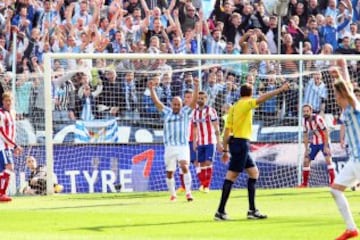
[(193, 154), (315, 149), (206, 152), (240, 157), (6, 157)]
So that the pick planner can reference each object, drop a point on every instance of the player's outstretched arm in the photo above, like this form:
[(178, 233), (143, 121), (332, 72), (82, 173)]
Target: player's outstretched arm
[(159, 105), (273, 93), (195, 93)]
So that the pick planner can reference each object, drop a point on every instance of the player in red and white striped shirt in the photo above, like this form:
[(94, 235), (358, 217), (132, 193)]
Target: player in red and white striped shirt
[(206, 137), (315, 124), (8, 147)]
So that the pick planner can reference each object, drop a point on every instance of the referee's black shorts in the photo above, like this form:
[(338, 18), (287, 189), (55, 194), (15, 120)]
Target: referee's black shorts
[(240, 158)]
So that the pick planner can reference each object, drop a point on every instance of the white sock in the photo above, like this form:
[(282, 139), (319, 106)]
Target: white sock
[(344, 208), (187, 182), (171, 185)]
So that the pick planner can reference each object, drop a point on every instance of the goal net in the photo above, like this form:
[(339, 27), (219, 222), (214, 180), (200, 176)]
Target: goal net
[(92, 122)]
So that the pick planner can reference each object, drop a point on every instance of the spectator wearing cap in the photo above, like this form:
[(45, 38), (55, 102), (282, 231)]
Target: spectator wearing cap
[(344, 12)]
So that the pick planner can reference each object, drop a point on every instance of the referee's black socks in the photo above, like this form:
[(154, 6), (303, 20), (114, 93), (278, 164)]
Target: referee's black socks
[(225, 195), (251, 193)]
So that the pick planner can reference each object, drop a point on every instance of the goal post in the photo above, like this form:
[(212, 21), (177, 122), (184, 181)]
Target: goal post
[(278, 137)]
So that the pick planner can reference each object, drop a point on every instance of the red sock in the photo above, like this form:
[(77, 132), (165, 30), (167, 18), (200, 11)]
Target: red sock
[(208, 176), (331, 172), (306, 173), (202, 176), (4, 182), (182, 180)]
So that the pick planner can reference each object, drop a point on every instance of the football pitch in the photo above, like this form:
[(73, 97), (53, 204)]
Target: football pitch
[(293, 214)]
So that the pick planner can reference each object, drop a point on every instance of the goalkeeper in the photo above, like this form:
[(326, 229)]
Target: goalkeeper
[(37, 179)]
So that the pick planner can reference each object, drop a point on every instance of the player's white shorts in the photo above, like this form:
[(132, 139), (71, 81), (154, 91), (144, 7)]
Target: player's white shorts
[(173, 154), (349, 175)]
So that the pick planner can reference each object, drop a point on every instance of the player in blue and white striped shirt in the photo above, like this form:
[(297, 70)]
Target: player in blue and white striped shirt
[(350, 174), (176, 137)]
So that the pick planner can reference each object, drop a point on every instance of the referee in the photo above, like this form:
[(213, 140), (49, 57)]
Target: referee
[(238, 131)]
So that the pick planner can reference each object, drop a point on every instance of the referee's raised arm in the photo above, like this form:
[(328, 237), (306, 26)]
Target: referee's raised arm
[(159, 105), (193, 103), (273, 93)]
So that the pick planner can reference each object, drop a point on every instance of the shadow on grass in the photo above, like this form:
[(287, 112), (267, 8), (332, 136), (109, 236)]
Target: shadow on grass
[(87, 206), (117, 196), (304, 192), (271, 221), (160, 224)]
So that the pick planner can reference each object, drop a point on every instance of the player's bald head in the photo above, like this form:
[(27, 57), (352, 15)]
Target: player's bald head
[(176, 104)]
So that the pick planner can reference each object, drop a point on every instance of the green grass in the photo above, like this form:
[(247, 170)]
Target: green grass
[(293, 214)]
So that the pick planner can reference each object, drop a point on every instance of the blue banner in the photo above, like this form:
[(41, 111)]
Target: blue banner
[(105, 167)]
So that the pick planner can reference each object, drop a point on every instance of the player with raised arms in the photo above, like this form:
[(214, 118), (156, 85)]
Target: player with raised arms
[(176, 137)]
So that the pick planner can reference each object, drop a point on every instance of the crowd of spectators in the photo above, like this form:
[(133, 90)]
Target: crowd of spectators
[(89, 89)]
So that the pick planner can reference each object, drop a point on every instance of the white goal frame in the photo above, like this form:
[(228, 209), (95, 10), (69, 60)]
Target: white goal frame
[(47, 85)]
